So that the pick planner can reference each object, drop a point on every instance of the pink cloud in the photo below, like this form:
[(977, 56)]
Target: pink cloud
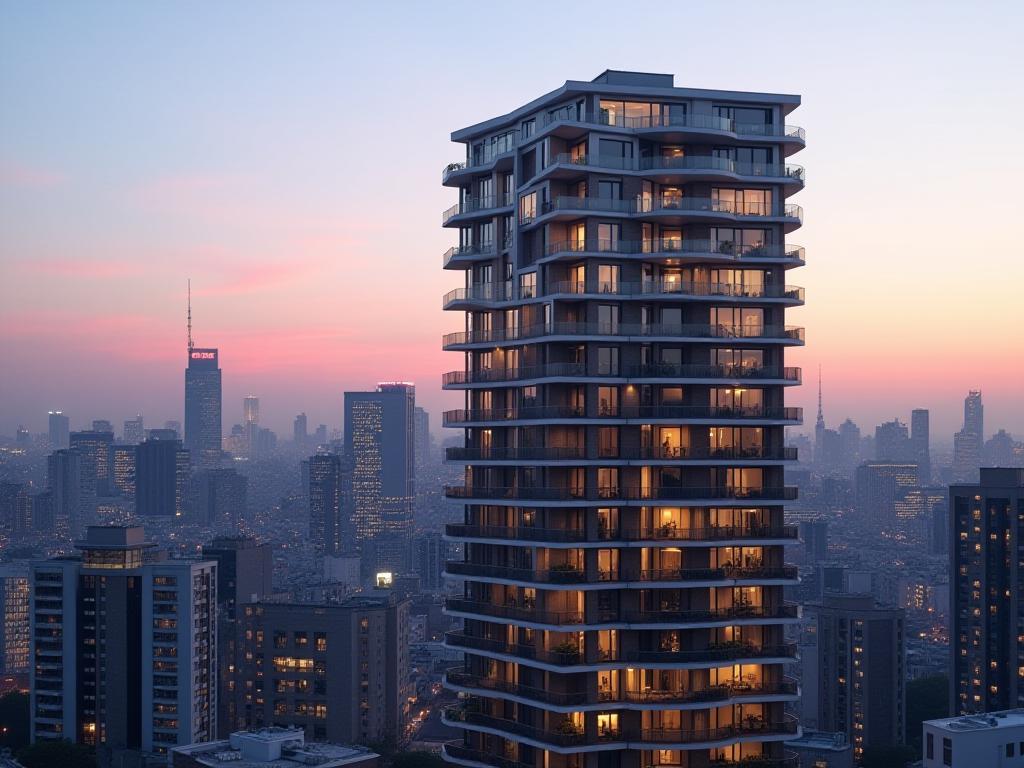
[(24, 176)]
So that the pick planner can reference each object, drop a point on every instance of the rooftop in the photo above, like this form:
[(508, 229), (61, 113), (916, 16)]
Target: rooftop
[(1008, 718), (822, 740), (273, 748)]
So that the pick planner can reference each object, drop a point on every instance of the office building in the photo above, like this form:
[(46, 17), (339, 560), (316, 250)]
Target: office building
[(986, 578), (860, 670), (969, 441), (424, 442), (174, 426), (892, 442), (162, 476), (920, 449), (623, 260), (380, 439), (992, 739), (65, 482), (272, 748), (849, 447), (430, 552), (220, 498), (134, 430), (203, 407), (14, 619), (123, 645), (300, 433), (814, 536), (881, 488), (245, 570), (330, 503), (340, 671), (251, 410), (60, 430), (95, 450)]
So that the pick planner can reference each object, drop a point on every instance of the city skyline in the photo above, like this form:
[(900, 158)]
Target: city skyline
[(245, 191)]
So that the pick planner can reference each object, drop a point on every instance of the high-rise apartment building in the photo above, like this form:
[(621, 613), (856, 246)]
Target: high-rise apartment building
[(60, 430), (623, 250), (987, 592), (380, 439), (134, 430), (340, 671), (919, 442), (162, 476), (969, 441), (331, 526), (14, 619), (203, 407), (123, 645), (861, 671)]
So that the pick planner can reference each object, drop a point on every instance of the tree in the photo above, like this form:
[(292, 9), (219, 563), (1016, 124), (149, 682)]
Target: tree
[(927, 699), (57, 754), (14, 721), (417, 759)]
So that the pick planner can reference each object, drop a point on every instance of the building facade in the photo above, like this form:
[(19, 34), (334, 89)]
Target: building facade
[(162, 477), (623, 249), (14, 619), (123, 645), (59, 430), (986, 585), (203, 426), (330, 495), (339, 671)]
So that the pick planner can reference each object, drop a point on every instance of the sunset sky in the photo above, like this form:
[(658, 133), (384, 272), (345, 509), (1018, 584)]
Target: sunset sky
[(287, 158)]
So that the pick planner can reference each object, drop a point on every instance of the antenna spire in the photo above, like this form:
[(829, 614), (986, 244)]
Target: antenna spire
[(821, 413), (190, 345)]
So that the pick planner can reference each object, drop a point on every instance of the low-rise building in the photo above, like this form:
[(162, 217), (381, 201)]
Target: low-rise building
[(993, 739), (271, 748)]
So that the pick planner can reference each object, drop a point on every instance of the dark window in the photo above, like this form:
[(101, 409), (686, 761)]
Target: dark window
[(1009, 749), (947, 751), (930, 746)]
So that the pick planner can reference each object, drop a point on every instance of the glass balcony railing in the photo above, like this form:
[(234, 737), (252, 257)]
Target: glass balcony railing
[(658, 452), (684, 164), (656, 533), (456, 750), (686, 288), (468, 251), (624, 493), (680, 412), (678, 247), (484, 292), (649, 371), (625, 330), (568, 574), (680, 205), (570, 114), (478, 204)]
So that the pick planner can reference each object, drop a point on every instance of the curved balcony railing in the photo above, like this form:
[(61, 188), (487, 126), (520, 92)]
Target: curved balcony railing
[(626, 493), (677, 205), (688, 288), (656, 533), (680, 412), (477, 205), (728, 652), (562, 738), (685, 163), (675, 247), (456, 750), (468, 251), (714, 693), (752, 726), (656, 452), (531, 613), (572, 575), (489, 153), (570, 114), (649, 371), (787, 333), (484, 292)]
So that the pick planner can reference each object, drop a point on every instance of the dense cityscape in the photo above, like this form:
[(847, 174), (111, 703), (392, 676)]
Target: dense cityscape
[(626, 547)]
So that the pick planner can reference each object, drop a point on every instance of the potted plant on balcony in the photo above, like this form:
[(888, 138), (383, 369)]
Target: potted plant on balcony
[(565, 572), (569, 650)]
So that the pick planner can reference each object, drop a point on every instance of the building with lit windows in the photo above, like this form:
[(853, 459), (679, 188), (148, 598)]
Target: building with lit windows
[(95, 451), (203, 426), (380, 440), (14, 598), (123, 645), (622, 245), (339, 671), (329, 493), (986, 591)]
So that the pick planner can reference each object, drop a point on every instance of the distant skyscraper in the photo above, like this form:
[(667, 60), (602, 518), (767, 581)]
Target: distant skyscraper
[(175, 426), (320, 436), (95, 449), (300, 433), (203, 428), (880, 488), (134, 430), (985, 577), (124, 645), (423, 438), (819, 428), (220, 498), (330, 507), (251, 409), (102, 425), (380, 439), (892, 442), (64, 481), (860, 670), (1000, 450), (60, 430), (849, 446), (161, 478), (969, 441), (919, 442), (124, 469)]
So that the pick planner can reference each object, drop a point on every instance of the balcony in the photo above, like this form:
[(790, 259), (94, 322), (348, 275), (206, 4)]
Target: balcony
[(478, 206), (681, 288), (653, 453), (456, 716), (478, 295), (678, 248), (673, 372), (752, 726), (627, 332), (688, 208), (491, 156), (572, 575), (696, 167), (669, 533), (457, 752), (686, 121), (622, 493), (528, 613), (732, 652), (458, 256), (631, 414)]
